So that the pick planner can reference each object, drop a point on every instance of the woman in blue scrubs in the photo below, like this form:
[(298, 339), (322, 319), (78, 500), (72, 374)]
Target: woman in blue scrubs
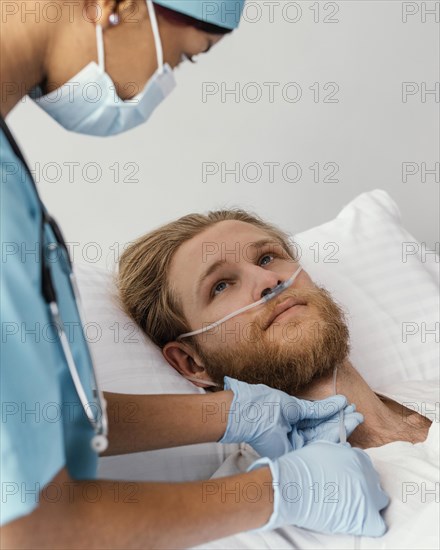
[(53, 415)]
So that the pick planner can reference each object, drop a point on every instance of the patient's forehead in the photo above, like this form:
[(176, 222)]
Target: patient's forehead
[(230, 239), (215, 241)]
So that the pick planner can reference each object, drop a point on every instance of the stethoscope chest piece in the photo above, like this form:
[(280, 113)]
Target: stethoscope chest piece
[(99, 443)]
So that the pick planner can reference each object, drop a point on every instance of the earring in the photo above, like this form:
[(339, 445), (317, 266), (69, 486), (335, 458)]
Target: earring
[(114, 19)]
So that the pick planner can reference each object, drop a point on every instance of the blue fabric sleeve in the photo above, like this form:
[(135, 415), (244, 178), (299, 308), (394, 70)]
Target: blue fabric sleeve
[(43, 426)]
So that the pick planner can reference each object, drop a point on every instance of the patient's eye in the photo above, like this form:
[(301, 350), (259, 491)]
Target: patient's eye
[(218, 288), (266, 259)]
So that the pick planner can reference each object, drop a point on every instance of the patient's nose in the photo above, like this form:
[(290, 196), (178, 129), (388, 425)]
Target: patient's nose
[(267, 291)]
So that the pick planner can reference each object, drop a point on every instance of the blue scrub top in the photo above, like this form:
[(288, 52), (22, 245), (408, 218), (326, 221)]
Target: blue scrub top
[(43, 425)]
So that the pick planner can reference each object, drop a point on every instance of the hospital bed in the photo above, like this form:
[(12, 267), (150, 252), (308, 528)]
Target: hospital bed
[(389, 286)]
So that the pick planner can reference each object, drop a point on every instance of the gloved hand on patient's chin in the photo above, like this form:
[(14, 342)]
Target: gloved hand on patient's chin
[(328, 488), (274, 423)]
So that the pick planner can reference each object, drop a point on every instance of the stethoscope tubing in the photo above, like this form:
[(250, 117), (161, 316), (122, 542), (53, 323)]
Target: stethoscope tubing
[(100, 424)]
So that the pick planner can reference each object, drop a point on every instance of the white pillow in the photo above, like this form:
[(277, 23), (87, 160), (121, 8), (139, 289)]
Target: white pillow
[(389, 291), (357, 257), (126, 361)]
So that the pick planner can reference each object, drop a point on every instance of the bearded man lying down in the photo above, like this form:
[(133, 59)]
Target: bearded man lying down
[(197, 270)]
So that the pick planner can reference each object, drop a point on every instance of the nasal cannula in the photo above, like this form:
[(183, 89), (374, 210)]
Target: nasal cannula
[(342, 430), (269, 296)]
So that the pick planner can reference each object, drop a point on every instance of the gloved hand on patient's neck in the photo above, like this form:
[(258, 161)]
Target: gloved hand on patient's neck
[(274, 423)]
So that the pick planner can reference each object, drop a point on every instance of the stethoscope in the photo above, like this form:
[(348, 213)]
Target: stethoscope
[(99, 421)]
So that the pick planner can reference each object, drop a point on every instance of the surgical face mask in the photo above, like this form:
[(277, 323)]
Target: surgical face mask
[(269, 296), (89, 103)]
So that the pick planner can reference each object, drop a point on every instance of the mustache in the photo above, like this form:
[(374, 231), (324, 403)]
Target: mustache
[(299, 297), (307, 347), (315, 296)]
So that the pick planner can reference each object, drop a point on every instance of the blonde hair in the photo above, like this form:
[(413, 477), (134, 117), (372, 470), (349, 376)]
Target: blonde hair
[(143, 285)]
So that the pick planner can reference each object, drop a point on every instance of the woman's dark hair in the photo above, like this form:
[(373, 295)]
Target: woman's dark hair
[(182, 19)]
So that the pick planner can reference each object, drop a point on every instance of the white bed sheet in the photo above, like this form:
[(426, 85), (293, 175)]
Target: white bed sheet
[(409, 474)]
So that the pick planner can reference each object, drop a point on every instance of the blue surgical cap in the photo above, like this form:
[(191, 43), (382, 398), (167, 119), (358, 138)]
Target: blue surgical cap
[(223, 13)]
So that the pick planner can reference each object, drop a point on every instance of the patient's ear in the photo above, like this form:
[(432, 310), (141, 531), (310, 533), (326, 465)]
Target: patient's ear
[(186, 362)]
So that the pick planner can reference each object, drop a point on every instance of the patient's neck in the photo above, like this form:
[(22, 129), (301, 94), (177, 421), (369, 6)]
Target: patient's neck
[(384, 420)]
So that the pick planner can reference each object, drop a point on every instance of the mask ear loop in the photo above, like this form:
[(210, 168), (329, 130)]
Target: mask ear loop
[(100, 47), (156, 34)]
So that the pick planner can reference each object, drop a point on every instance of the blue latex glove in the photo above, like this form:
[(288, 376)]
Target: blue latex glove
[(309, 431), (274, 423), (328, 488)]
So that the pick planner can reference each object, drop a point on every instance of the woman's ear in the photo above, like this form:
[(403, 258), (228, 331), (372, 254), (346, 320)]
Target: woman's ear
[(101, 11)]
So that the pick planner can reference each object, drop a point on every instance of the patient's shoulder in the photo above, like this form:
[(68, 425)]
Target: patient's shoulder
[(421, 396)]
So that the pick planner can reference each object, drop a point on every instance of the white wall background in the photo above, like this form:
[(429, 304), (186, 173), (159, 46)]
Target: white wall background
[(368, 133)]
